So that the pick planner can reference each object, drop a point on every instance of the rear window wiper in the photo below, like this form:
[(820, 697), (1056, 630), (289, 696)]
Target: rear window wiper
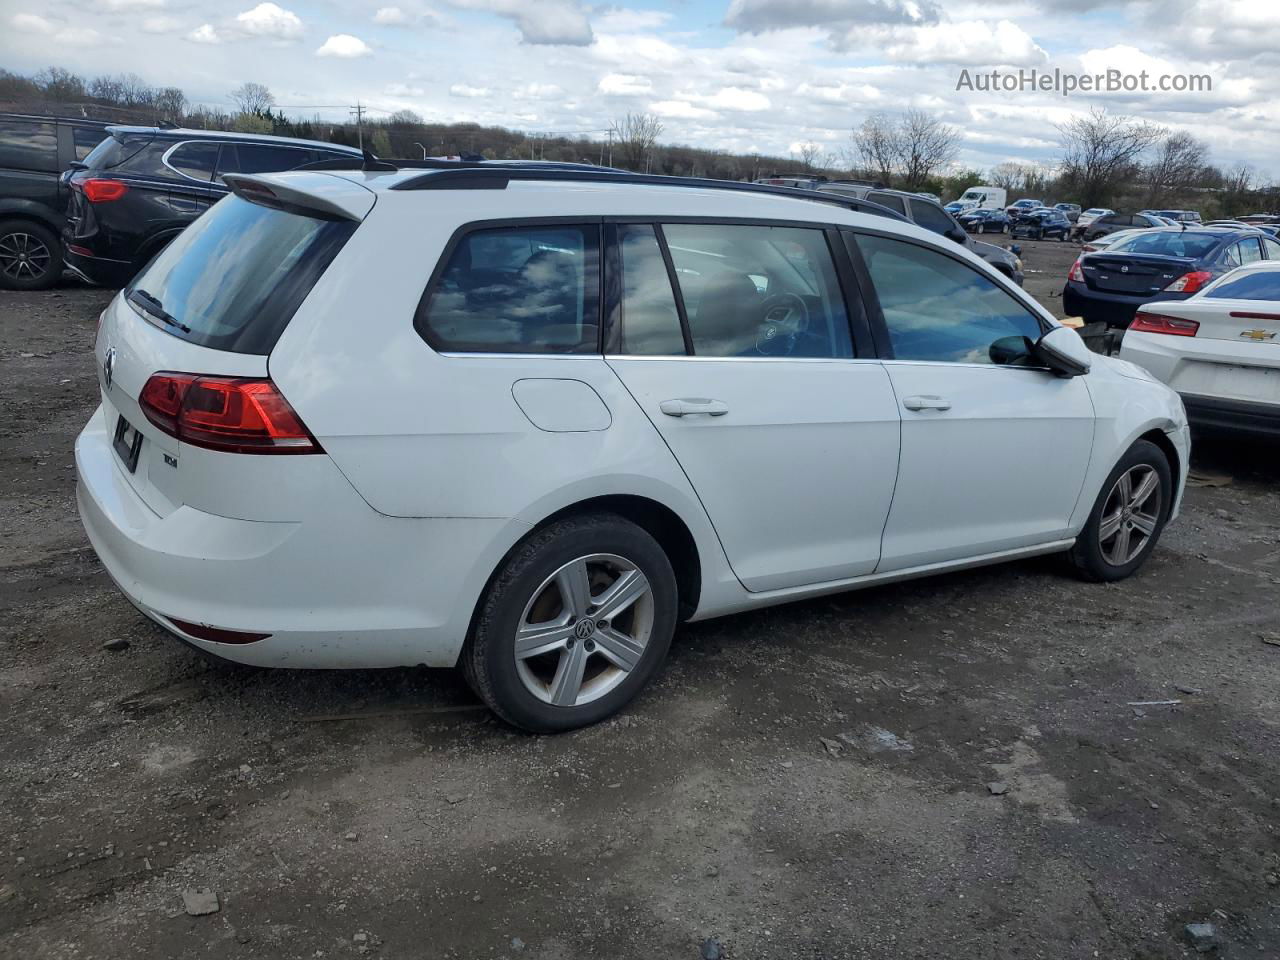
[(155, 308)]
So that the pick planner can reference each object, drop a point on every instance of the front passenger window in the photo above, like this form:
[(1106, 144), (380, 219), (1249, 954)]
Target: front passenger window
[(938, 309)]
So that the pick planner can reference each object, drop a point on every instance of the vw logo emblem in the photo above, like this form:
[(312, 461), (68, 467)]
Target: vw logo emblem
[(1124, 269), (584, 628), (108, 366)]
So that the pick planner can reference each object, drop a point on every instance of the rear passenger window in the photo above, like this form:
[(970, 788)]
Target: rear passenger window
[(1249, 250), (890, 200), (260, 158), (195, 160), (28, 145), (84, 139), (930, 217), (759, 291), (648, 321), (938, 309), (524, 289)]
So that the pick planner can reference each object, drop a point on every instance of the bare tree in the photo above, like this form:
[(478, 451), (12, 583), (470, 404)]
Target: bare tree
[(1180, 161), (1101, 151), (1023, 178), (60, 84), (170, 103), (134, 91), (925, 144), (253, 98), (906, 150), (810, 155), (106, 89), (874, 149), (636, 135)]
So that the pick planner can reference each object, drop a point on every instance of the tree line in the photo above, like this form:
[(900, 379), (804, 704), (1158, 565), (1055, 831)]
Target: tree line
[(1104, 159)]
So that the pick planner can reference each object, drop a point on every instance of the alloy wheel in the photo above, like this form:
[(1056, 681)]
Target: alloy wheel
[(584, 630), (1131, 515), (23, 256)]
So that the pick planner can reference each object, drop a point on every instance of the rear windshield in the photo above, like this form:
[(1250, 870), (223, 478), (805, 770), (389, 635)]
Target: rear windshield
[(115, 150), (234, 278), (1172, 243), (1256, 285)]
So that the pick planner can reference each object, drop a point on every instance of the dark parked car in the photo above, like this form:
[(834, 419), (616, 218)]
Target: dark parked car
[(984, 221), (930, 215), (1171, 263), (138, 189), (1069, 210), (1118, 221), (1019, 207), (1042, 224), (1190, 217), (33, 152)]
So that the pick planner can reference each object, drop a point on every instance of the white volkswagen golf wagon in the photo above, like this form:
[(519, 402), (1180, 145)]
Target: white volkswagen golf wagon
[(527, 419)]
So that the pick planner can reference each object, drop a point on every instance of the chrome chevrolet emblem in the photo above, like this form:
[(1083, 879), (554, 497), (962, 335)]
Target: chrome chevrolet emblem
[(108, 366)]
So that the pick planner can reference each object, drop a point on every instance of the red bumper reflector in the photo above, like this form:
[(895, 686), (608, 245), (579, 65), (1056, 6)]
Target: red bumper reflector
[(216, 635), (79, 251)]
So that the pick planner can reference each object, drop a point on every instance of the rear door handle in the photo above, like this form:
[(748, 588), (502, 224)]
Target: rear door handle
[(694, 406), (926, 402)]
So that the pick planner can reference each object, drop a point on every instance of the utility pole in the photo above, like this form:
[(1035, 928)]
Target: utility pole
[(358, 112)]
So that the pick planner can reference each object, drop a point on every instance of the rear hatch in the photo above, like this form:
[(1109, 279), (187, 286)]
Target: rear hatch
[(1132, 272), (213, 304), (104, 160)]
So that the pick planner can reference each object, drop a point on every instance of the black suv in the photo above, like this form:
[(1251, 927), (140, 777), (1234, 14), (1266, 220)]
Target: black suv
[(138, 189), (929, 214), (33, 152)]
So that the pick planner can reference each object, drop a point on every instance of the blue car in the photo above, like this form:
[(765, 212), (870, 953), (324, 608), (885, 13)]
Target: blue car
[(984, 221), (1162, 263), (1041, 224)]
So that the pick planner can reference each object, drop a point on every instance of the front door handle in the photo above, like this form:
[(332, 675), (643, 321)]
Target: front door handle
[(694, 406), (928, 402)]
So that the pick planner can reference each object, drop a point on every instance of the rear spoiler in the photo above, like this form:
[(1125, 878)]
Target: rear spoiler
[(314, 196)]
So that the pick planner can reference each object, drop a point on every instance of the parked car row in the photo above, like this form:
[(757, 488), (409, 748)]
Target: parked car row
[(103, 199)]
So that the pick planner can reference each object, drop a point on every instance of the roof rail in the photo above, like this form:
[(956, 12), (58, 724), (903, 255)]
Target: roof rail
[(455, 175)]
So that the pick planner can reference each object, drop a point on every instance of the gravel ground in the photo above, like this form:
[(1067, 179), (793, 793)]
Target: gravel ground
[(940, 769)]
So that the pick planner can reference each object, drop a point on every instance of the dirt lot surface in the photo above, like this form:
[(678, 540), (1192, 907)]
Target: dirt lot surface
[(950, 768)]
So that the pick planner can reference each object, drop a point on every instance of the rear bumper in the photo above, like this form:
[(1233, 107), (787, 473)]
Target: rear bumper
[(342, 587), (1116, 309), (100, 271), (1239, 416)]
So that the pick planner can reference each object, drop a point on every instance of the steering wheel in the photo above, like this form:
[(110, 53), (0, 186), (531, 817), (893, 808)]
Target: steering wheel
[(784, 317)]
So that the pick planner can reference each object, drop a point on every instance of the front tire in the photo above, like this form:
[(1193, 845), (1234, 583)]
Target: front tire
[(30, 256), (1128, 516), (575, 624)]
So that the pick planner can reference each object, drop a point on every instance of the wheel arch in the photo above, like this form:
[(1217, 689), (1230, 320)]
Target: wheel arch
[(16, 209)]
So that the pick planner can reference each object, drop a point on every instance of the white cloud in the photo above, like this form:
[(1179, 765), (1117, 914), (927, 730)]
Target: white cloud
[(134, 4), (537, 91), (31, 23), (78, 37), (736, 99), (680, 109), (624, 20), (839, 93), (344, 45), (624, 85), (761, 16), (974, 43), (542, 22), (391, 16), (204, 34), (160, 24), (463, 90), (269, 20), (404, 90)]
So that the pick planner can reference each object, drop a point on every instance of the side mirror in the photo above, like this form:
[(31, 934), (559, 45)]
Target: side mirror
[(956, 234), (1063, 352), (1016, 249)]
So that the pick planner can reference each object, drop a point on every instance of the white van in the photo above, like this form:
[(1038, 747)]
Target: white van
[(983, 198)]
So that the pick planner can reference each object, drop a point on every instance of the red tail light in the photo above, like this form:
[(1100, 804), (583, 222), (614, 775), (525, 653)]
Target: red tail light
[(1144, 322), (1190, 282), (1076, 274), (225, 413), (97, 190)]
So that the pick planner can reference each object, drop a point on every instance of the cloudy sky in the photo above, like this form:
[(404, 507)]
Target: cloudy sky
[(744, 75)]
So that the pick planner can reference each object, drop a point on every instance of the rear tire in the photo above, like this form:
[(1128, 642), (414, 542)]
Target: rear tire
[(575, 623), (30, 256), (1128, 516)]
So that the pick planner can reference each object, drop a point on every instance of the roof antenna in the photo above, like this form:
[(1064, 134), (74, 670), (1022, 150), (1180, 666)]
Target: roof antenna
[(372, 163)]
